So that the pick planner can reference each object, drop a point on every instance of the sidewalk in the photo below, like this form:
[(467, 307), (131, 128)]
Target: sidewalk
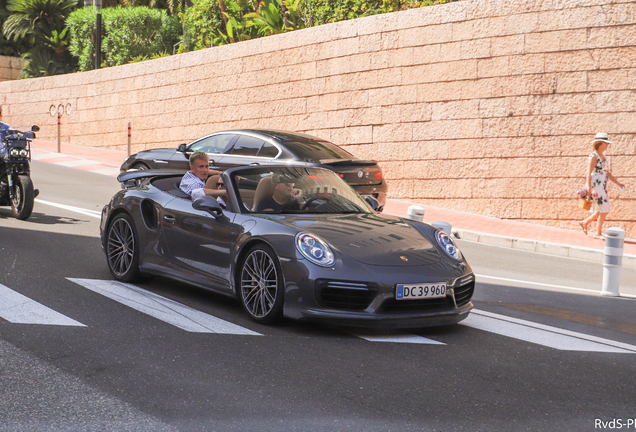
[(102, 161), (466, 226)]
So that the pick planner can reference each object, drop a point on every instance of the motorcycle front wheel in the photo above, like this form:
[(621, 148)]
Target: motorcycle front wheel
[(22, 202)]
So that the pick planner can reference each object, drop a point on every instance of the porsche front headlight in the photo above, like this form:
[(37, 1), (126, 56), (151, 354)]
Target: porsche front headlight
[(315, 250), (449, 246)]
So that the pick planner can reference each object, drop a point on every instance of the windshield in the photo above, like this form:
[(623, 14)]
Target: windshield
[(315, 151), (296, 190)]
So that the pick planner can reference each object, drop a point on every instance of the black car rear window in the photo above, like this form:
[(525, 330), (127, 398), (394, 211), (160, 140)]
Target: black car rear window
[(268, 150), (315, 151), (246, 146)]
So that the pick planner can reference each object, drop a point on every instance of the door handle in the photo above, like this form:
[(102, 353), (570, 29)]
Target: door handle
[(255, 163), (170, 219)]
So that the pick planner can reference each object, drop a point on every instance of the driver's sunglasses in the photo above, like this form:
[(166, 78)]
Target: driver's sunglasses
[(220, 184)]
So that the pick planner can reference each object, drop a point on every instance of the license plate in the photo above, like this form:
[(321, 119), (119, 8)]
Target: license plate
[(419, 291)]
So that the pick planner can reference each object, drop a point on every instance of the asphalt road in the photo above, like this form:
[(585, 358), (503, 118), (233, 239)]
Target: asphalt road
[(526, 360)]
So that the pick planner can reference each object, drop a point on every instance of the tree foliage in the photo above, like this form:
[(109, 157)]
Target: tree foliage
[(318, 12), (47, 32), (36, 19), (9, 47), (219, 22), (41, 24), (201, 22), (127, 34)]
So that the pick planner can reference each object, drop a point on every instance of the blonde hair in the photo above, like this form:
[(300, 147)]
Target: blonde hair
[(198, 155)]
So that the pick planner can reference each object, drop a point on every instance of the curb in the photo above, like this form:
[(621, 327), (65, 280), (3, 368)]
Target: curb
[(556, 249)]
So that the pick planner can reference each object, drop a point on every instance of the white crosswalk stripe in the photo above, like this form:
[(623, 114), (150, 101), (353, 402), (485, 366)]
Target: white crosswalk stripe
[(92, 213), (398, 338), (541, 334), (164, 309), (19, 309)]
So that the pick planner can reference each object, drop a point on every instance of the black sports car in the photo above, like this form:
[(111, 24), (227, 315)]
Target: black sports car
[(292, 241), (232, 148)]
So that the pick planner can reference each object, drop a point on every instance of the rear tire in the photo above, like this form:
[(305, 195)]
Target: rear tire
[(122, 249), (22, 203), (260, 285), (141, 166)]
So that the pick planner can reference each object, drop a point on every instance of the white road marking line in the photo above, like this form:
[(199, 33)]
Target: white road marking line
[(547, 285), (541, 334), (85, 212), (73, 163), (19, 309), (38, 156), (537, 283), (164, 309), (107, 171), (399, 338)]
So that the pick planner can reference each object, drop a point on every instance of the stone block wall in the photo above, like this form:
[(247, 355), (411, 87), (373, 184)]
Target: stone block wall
[(485, 106), (10, 67)]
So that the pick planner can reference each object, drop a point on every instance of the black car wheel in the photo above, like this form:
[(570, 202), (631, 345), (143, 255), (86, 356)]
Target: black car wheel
[(22, 202), (261, 285), (122, 249), (141, 166)]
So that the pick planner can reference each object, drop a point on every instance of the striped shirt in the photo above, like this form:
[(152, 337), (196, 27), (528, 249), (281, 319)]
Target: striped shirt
[(190, 183)]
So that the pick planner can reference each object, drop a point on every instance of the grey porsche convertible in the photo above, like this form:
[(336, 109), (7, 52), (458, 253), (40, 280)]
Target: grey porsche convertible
[(292, 241)]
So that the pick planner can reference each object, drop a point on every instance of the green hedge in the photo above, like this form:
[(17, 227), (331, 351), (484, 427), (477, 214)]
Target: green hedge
[(201, 21), (204, 22), (128, 34)]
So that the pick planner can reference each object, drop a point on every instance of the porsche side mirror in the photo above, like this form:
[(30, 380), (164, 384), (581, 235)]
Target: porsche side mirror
[(182, 148), (374, 203), (208, 204)]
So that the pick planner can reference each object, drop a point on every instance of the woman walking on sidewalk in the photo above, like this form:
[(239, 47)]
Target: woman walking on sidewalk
[(596, 183)]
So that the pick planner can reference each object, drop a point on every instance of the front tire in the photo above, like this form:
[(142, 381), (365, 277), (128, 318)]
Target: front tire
[(22, 203), (141, 166), (261, 287), (122, 249)]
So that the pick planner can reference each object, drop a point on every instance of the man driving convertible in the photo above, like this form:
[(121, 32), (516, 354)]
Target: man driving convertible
[(196, 182), (284, 196)]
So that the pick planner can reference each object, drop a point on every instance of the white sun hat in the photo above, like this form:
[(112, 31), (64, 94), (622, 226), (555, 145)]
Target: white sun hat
[(602, 136)]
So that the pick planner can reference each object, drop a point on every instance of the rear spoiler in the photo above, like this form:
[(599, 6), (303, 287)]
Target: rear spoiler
[(348, 162), (139, 174)]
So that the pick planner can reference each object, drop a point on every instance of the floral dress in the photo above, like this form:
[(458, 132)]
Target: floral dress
[(599, 185)]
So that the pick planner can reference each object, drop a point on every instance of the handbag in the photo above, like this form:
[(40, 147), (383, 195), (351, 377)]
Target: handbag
[(585, 204)]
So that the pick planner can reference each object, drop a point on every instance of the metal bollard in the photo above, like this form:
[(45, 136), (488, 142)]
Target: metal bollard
[(415, 213), (128, 138), (612, 261), (444, 226)]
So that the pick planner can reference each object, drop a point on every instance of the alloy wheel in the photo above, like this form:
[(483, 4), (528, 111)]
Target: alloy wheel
[(121, 247), (259, 284)]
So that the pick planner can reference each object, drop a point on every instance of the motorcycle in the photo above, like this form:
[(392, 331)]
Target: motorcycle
[(16, 187)]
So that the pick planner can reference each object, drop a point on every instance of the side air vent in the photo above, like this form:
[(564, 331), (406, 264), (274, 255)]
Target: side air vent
[(149, 213)]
